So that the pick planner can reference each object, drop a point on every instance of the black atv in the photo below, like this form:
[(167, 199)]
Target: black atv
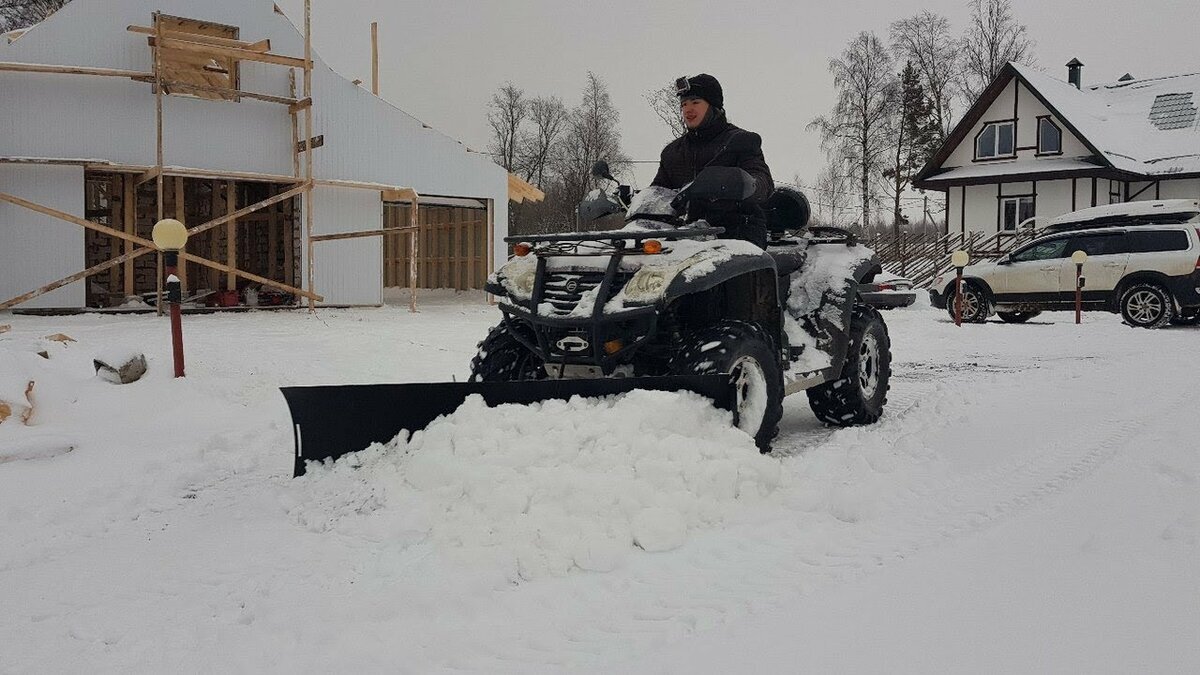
[(664, 297)]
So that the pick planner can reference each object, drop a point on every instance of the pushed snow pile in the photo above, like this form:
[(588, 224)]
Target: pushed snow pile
[(545, 488)]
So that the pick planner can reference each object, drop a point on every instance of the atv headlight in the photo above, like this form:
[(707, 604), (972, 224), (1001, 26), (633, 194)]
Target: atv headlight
[(518, 277), (647, 282)]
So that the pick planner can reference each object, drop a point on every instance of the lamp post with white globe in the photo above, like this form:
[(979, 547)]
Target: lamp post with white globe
[(170, 236)]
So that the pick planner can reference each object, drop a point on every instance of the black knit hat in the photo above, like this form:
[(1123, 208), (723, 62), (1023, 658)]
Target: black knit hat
[(701, 86)]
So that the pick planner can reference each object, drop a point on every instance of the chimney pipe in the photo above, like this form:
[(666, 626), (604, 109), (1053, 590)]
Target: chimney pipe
[(1075, 73)]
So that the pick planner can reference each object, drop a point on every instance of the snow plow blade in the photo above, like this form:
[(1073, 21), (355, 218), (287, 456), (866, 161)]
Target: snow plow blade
[(331, 421)]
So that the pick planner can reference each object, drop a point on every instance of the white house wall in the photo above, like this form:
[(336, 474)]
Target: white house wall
[(1180, 189), (1028, 109), (23, 231), (348, 271)]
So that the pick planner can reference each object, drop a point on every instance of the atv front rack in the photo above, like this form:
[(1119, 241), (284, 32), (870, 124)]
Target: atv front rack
[(619, 235)]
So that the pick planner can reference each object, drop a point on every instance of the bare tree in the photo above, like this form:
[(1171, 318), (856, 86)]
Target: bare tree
[(857, 130), (506, 112), (16, 14), (548, 119), (665, 105), (925, 39), (831, 192), (593, 133), (993, 38)]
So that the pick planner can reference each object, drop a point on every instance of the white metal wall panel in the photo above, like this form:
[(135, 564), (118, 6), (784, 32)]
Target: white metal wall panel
[(348, 271), (35, 249)]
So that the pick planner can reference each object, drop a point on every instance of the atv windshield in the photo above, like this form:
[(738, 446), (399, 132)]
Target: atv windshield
[(650, 209)]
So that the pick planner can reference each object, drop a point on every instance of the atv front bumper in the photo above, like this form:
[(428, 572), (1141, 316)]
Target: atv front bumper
[(603, 340)]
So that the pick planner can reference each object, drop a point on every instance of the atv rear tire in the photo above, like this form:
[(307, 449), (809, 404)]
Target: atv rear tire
[(744, 350), (502, 358), (860, 392)]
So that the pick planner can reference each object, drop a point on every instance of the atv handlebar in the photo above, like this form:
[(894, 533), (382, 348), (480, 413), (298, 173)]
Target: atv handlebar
[(669, 235)]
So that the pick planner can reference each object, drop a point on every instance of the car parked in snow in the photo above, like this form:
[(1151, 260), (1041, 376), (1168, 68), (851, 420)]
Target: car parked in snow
[(888, 291), (1148, 272)]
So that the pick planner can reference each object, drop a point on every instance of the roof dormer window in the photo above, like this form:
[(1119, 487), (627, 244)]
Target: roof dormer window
[(996, 140), (1049, 137)]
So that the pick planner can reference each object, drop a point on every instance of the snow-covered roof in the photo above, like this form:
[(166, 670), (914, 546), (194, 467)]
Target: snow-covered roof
[(1149, 126), (1015, 167)]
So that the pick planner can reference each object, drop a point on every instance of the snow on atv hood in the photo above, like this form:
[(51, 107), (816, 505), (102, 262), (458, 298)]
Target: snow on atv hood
[(599, 480)]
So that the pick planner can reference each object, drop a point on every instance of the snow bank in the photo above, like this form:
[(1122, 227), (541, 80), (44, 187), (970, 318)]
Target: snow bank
[(542, 489)]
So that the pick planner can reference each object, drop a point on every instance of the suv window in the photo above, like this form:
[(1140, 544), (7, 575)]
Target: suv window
[(1153, 241), (1109, 243), (1044, 250)]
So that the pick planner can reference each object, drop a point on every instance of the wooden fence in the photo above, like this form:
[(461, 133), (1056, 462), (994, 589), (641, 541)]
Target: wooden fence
[(923, 257)]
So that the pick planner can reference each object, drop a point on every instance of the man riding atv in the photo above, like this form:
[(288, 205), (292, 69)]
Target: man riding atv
[(712, 141), (715, 285)]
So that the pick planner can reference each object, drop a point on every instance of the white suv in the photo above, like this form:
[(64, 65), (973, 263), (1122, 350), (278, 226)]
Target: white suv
[(1150, 273)]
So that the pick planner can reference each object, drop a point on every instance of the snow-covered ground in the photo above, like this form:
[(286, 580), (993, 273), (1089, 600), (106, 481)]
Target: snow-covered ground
[(1030, 502)]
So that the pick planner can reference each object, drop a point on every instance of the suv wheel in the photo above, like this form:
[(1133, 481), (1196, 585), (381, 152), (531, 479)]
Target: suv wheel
[(1016, 317), (744, 350), (974, 303), (1147, 305)]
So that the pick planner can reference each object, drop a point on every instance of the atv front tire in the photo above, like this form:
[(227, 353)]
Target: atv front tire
[(858, 395), (744, 350), (502, 358)]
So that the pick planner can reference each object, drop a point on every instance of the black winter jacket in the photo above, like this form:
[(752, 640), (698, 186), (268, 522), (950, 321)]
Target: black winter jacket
[(716, 142)]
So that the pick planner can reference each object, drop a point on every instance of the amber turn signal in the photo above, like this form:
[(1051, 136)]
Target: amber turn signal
[(613, 346), (652, 246), (521, 250)]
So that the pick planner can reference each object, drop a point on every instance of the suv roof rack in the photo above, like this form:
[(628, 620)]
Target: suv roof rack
[(1158, 212)]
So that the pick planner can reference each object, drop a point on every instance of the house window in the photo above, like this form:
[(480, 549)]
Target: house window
[(996, 140), (1014, 211), (1049, 137), (194, 73)]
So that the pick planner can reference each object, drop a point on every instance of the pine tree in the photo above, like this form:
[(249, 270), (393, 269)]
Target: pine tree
[(916, 135)]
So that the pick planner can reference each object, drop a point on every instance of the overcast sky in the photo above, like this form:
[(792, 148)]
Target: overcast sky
[(441, 61)]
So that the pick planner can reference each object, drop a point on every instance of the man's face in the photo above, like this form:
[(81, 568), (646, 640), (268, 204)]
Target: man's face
[(693, 110)]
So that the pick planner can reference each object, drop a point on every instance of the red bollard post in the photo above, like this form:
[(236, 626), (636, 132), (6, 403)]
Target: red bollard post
[(958, 299), (1079, 293), (169, 236), (1079, 257)]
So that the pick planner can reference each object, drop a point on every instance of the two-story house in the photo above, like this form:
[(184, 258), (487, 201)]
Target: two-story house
[(1036, 147)]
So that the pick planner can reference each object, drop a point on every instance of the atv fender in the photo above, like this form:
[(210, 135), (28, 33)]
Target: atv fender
[(832, 328), (746, 287), (735, 266)]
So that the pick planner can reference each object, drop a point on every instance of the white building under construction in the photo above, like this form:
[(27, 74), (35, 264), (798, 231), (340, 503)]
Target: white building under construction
[(116, 113)]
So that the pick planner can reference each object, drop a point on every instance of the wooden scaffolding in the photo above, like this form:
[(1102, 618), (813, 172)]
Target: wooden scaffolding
[(216, 53)]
